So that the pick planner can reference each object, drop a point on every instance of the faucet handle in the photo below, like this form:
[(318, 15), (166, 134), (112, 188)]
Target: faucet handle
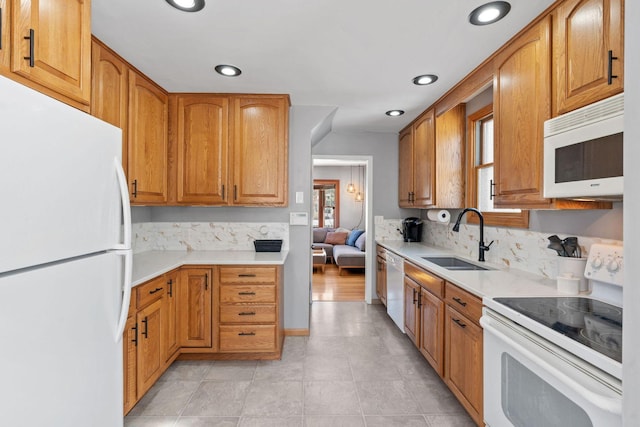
[(486, 248)]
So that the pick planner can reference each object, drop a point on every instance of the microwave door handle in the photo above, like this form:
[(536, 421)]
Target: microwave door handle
[(610, 405)]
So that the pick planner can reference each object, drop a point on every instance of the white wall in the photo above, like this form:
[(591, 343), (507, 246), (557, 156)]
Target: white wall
[(352, 213), (631, 322)]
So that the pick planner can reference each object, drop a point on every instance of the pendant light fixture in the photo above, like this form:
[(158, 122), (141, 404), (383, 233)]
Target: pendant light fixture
[(351, 188), (359, 194)]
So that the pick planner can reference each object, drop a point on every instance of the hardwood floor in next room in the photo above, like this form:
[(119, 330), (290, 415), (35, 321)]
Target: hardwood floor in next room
[(356, 369), (331, 286)]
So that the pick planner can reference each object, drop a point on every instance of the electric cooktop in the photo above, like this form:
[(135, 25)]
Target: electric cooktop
[(593, 323)]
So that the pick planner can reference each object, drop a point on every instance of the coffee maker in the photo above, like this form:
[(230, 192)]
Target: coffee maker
[(412, 229)]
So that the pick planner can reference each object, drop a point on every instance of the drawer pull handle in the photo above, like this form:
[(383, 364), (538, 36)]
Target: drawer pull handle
[(170, 283), (247, 313), (246, 275), (462, 325), (459, 301), (245, 334), (154, 291), (246, 293)]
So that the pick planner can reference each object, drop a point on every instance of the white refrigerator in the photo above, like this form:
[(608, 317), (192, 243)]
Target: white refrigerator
[(65, 264)]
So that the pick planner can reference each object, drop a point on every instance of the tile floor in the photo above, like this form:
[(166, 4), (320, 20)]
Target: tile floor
[(356, 369)]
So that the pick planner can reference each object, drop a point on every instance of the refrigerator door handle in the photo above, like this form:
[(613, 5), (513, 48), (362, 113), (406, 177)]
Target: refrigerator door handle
[(126, 207), (126, 291)]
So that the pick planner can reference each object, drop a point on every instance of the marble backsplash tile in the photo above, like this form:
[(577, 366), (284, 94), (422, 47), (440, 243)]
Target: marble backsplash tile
[(388, 230), (205, 236), (517, 248)]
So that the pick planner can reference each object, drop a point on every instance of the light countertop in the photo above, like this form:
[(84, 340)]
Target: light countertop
[(497, 282), (147, 265)]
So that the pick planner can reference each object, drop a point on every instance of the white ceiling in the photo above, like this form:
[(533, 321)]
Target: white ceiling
[(357, 55)]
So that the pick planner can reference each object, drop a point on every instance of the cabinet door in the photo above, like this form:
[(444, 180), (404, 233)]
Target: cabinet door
[(151, 362), (130, 348), (424, 161), (405, 169), (170, 301), (260, 150), (202, 139), (463, 361), (110, 90), (194, 313), (5, 58), (432, 330), (147, 145), (449, 158), (56, 36), (412, 310), (521, 105), (584, 32)]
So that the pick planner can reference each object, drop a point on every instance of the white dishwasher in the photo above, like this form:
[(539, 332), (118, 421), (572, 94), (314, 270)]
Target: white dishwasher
[(395, 289)]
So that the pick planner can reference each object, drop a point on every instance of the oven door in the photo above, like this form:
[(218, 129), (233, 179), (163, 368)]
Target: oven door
[(529, 381)]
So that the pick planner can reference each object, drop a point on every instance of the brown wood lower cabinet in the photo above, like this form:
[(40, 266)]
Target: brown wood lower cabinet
[(250, 314), (432, 330), (463, 361), (442, 320), (201, 312), (194, 312)]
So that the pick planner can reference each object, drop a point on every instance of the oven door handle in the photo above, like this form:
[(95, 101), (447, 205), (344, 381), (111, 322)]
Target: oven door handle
[(606, 404)]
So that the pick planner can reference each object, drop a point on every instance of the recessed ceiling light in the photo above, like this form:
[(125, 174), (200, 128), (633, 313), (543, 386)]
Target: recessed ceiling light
[(394, 113), (228, 70), (489, 13), (425, 79), (187, 5)]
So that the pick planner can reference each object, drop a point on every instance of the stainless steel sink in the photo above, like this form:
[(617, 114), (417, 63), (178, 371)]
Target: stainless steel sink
[(453, 263)]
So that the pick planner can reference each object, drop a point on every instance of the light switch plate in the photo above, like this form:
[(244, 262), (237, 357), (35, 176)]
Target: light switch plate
[(378, 219), (298, 218), (299, 197)]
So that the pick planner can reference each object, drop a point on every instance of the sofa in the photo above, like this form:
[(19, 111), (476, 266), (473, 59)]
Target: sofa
[(346, 248)]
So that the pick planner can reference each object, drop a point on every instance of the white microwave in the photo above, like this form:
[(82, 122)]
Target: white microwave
[(583, 152)]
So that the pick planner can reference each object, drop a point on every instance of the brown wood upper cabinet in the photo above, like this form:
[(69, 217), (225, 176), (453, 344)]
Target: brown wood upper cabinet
[(55, 38), (588, 57), (522, 102), (259, 150), (5, 58), (147, 141), (431, 161), (230, 150), (110, 90), (202, 142), (416, 168), (449, 158)]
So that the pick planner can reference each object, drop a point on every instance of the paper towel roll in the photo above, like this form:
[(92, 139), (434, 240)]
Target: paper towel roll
[(442, 216)]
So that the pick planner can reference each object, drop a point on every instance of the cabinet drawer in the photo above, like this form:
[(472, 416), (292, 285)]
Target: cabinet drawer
[(248, 275), (425, 279), (464, 302), (247, 293), (150, 291), (248, 338), (247, 314)]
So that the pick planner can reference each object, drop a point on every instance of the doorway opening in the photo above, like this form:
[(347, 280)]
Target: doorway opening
[(341, 205)]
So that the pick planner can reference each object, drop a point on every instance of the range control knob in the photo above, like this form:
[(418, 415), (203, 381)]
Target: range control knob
[(596, 262), (613, 265)]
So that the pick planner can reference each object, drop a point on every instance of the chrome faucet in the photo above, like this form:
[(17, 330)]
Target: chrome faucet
[(481, 246)]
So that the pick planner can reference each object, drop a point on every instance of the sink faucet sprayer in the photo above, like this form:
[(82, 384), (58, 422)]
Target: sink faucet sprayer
[(481, 247)]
